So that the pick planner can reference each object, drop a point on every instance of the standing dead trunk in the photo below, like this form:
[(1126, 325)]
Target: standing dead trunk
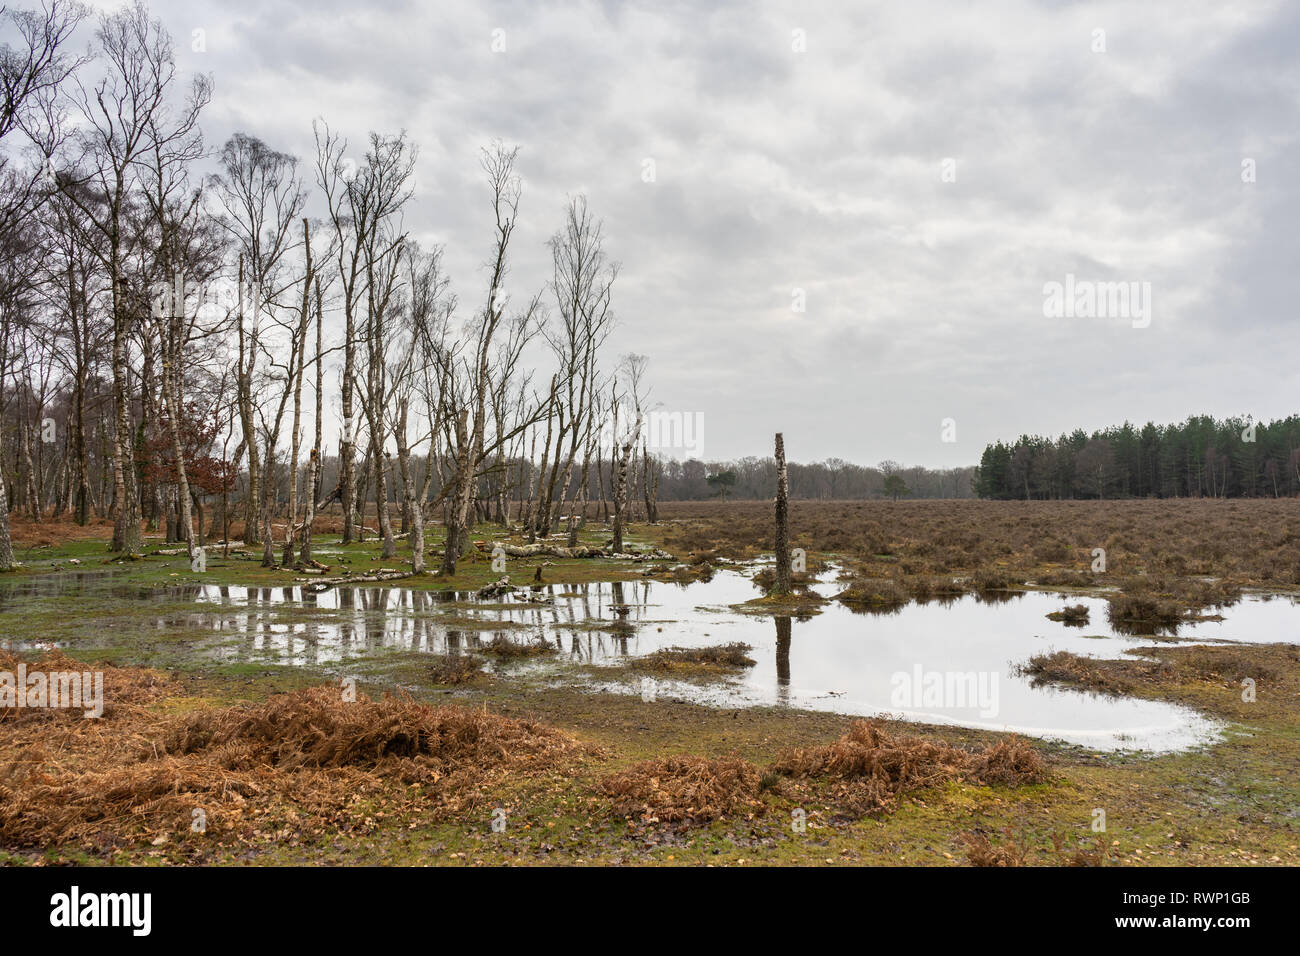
[(650, 486), (782, 521), (580, 508)]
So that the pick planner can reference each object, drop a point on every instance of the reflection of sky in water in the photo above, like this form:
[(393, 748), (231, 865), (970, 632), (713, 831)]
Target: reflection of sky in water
[(838, 661)]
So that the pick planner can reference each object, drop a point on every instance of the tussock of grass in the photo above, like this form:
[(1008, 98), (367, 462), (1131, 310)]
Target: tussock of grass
[(1143, 613), (1073, 615), (992, 579), (875, 592), (765, 578), (870, 768), (715, 657), (1152, 603), (450, 670), (503, 647), (925, 587), (900, 589), (685, 789), (1063, 667)]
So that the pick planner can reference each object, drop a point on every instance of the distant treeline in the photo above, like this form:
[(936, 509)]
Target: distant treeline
[(1202, 457), (832, 479), (694, 480)]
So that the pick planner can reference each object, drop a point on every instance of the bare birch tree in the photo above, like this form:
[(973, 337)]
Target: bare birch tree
[(263, 199), (123, 116)]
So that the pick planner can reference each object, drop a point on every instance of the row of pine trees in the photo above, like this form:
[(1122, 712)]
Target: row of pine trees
[(1203, 457)]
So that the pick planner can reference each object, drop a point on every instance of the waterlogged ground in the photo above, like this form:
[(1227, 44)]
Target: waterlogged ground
[(951, 662), (1230, 802)]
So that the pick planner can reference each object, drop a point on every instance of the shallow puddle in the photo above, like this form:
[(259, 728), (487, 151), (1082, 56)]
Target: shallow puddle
[(941, 662)]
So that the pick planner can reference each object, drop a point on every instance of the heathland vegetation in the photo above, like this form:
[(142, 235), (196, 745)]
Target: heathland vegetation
[(287, 771)]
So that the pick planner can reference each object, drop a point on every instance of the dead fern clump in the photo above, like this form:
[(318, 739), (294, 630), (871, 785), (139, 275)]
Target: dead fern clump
[(296, 766), (981, 851), (1008, 763), (685, 789), (125, 688), (1093, 853), (316, 728), (1015, 851), (871, 769)]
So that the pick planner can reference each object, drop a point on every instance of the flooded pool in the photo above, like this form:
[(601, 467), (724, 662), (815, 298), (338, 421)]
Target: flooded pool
[(941, 662)]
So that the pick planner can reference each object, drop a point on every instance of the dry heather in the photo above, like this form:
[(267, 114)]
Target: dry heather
[(1255, 540), (1267, 665), (291, 768), (1090, 673), (870, 769), (685, 789)]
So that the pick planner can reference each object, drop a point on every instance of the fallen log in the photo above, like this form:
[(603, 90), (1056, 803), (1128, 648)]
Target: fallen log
[(500, 587), (325, 584)]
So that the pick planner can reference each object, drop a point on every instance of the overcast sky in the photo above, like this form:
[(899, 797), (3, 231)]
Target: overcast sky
[(815, 161)]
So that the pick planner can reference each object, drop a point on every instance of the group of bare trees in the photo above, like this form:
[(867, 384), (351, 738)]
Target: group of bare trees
[(172, 318)]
